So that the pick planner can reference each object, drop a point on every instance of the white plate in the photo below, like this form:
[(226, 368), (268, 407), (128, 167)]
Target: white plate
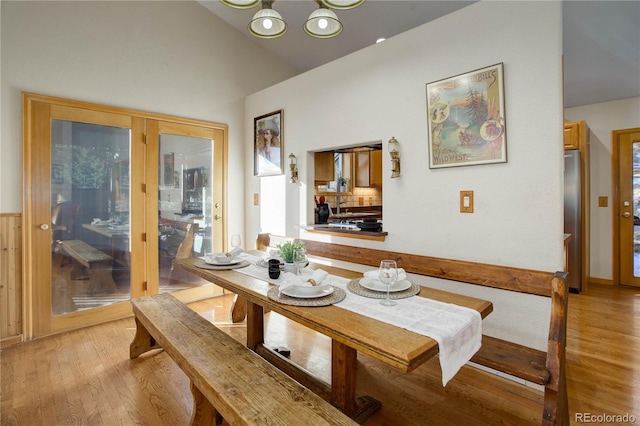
[(376, 285), (215, 262), (308, 292)]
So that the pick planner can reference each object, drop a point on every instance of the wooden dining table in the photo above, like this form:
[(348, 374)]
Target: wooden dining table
[(350, 333), (117, 239)]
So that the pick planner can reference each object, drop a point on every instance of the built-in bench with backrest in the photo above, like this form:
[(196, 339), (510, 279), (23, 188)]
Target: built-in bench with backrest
[(227, 379), (544, 368)]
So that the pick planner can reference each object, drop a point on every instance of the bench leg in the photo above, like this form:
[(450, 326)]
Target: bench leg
[(78, 272), (101, 279), (142, 342), (204, 413)]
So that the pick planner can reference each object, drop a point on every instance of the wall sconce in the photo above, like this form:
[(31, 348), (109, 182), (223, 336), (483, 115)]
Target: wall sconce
[(394, 152), (293, 165)]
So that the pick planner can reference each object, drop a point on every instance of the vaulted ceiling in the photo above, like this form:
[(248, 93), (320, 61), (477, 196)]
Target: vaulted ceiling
[(601, 39)]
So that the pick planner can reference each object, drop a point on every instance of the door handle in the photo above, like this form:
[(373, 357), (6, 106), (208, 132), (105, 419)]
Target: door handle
[(44, 226), (626, 214), (217, 217)]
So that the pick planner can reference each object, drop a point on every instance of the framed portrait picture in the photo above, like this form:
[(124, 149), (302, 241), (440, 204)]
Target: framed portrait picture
[(268, 144), (466, 119)]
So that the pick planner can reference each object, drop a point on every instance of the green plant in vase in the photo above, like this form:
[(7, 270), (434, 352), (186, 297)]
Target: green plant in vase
[(288, 249)]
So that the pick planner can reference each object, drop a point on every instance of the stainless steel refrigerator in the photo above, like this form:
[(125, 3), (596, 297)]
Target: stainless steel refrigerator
[(572, 217)]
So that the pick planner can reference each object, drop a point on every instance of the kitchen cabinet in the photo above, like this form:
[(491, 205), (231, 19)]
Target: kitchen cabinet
[(324, 166), (574, 134), (368, 168), (376, 168)]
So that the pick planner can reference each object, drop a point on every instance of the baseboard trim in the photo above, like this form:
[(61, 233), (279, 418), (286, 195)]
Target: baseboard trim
[(11, 340), (603, 281)]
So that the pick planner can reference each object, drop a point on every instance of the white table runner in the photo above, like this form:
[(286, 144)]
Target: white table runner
[(457, 329)]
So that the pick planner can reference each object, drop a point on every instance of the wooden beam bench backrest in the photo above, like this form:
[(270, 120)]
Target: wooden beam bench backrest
[(504, 277), (263, 241), (556, 406)]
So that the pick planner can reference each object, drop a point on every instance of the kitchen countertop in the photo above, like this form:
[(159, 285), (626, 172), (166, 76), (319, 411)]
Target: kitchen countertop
[(355, 215), (348, 233)]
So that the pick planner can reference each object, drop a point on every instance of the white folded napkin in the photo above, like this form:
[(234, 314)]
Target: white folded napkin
[(375, 275), (289, 279), (226, 257), (273, 253)]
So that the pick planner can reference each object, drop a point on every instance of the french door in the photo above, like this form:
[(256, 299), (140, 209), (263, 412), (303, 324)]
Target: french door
[(626, 218), (189, 208), (97, 219)]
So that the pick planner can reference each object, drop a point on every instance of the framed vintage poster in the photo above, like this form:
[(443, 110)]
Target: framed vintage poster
[(268, 144), (466, 119)]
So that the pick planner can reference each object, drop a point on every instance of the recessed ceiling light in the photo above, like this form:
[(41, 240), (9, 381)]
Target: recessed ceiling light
[(380, 40)]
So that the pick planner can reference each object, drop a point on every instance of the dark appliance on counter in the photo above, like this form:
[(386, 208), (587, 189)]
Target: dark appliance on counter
[(369, 225), (323, 213), (572, 225)]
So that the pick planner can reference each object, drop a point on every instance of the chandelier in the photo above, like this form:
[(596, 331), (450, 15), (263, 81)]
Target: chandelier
[(322, 23)]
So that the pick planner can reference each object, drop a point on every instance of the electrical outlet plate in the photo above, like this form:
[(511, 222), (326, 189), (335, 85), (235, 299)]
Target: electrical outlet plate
[(466, 201)]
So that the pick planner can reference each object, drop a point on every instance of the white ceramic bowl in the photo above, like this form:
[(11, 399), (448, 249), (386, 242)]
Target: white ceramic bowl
[(307, 292)]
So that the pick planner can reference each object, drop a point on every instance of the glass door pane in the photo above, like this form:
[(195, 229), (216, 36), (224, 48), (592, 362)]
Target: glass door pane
[(90, 254), (185, 206)]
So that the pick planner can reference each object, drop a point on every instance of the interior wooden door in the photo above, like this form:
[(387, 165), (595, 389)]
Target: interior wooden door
[(626, 214), (76, 238)]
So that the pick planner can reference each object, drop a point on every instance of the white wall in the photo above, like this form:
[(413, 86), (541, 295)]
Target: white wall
[(167, 57), (379, 92), (602, 119)]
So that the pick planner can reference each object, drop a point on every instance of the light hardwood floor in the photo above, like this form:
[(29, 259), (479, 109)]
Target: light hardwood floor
[(86, 377)]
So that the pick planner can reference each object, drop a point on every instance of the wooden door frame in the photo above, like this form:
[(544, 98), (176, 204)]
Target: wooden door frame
[(31, 198), (615, 211)]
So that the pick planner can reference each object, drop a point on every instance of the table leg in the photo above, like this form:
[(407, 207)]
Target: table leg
[(343, 384), (343, 377), (239, 309), (255, 325)]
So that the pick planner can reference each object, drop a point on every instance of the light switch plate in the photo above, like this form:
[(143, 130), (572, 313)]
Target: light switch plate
[(466, 201), (256, 199)]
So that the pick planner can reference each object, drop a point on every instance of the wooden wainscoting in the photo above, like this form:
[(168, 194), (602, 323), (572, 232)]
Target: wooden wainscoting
[(10, 278)]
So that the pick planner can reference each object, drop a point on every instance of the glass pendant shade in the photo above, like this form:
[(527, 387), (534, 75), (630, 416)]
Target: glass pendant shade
[(267, 23), (323, 23), (342, 4), (240, 4)]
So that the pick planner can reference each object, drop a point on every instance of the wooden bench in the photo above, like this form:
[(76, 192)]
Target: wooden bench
[(98, 264), (227, 379), (543, 368)]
